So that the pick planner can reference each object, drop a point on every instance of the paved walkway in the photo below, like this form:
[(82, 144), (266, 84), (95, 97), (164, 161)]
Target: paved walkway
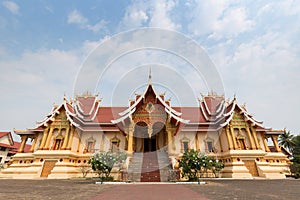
[(145, 192)]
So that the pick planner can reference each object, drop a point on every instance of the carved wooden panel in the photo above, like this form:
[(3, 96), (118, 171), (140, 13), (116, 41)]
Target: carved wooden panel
[(251, 166), (238, 120), (47, 168)]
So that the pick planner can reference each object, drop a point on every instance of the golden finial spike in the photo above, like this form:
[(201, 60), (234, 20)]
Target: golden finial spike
[(150, 76)]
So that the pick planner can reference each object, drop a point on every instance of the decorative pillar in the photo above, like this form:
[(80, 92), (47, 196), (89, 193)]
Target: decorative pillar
[(235, 146), (65, 143), (169, 132), (197, 142), (78, 145), (102, 142), (275, 142), (46, 147), (265, 143), (70, 139), (130, 139), (42, 144), (252, 145), (150, 131), (229, 139), (24, 139), (220, 140), (255, 138), (33, 144)]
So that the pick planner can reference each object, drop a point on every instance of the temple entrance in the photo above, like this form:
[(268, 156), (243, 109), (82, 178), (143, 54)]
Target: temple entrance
[(142, 142), (150, 144)]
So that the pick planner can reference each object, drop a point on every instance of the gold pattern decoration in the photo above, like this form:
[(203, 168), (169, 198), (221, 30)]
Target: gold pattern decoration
[(238, 120)]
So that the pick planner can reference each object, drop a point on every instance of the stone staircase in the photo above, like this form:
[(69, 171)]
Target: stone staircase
[(149, 167), (164, 165), (135, 167)]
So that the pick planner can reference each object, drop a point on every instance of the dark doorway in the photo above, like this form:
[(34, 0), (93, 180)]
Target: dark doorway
[(149, 144)]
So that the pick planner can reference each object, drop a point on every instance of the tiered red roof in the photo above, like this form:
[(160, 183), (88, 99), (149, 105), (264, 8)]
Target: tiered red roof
[(13, 146), (86, 113)]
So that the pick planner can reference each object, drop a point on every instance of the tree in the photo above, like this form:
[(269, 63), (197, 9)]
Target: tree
[(102, 163), (296, 146), (190, 164), (193, 165), (295, 166), (286, 140)]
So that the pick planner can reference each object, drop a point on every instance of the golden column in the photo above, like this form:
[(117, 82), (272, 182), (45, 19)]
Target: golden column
[(70, 139), (130, 139), (169, 132), (33, 144), (252, 145), (235, 146), (24, 139), (265, 143), (255, 137), (42, 144), (229, 139), (275, 141), (48, 139), (197, 142), (220, 139), (64, 146)]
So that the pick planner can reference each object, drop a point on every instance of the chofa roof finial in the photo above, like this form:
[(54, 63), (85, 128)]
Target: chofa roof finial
[(150, 76)]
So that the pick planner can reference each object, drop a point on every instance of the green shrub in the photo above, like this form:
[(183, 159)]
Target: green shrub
[(193, 165), (102, 163)]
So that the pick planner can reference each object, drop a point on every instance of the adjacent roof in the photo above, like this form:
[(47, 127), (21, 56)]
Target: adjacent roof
[(86, 113), (14, 149), (13, 146), (8, 134)]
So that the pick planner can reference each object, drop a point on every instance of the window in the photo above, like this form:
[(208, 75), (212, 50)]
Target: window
[(185, 145), (2, 148), (114, 142), (242, 144), (90, 146), (209, 146), (57, 144), (114, 146)]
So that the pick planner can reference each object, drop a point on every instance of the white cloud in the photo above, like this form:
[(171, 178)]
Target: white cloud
[(150, 13), (11, 6), (160, 15), (75, 17), (101, 25), (32, 82), (218, 19), (264, 73), (135, 16)]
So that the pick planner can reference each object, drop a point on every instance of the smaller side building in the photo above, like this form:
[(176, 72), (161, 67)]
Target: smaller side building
[(8, 147)]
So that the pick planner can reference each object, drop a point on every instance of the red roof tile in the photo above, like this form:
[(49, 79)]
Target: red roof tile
[(17, 145), (106, 114), (3, 134), (86, 103)]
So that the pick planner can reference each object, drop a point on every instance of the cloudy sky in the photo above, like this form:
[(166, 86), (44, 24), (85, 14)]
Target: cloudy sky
[(254, 46)]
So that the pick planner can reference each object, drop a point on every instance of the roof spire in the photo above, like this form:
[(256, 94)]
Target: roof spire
[(150, 76)]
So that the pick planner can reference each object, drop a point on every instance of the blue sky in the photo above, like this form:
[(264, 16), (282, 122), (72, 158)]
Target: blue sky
[(254, 45)]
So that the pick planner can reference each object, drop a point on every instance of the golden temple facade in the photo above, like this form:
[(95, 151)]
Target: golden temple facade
[(64, 141)]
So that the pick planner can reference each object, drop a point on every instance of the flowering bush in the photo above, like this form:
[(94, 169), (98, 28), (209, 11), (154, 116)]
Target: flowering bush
[(193, 165), (102, 163)]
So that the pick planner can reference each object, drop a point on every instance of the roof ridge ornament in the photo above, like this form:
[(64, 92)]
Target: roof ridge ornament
[(150, 77)]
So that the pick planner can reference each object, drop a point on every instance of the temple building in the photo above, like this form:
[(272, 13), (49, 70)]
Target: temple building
[(63, 142), (9, 147)]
